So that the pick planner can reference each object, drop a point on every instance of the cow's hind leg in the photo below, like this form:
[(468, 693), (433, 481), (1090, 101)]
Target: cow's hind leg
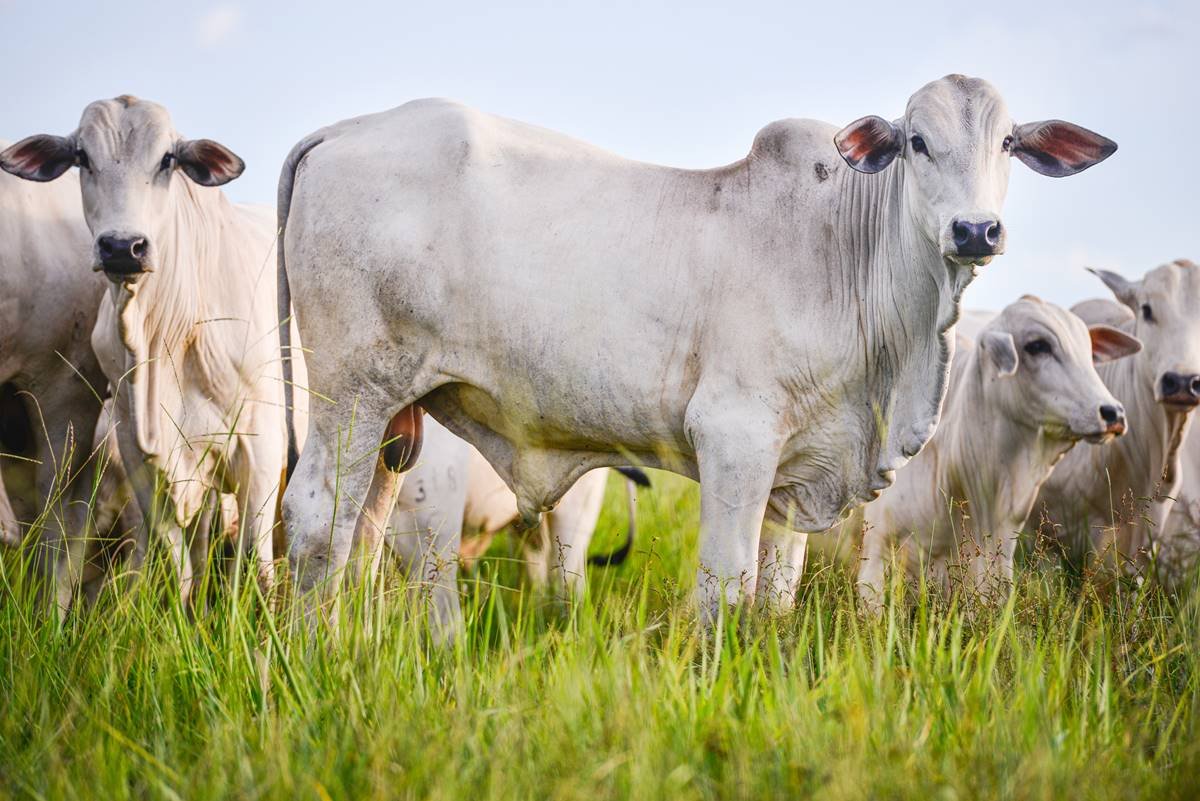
[(325, 495)]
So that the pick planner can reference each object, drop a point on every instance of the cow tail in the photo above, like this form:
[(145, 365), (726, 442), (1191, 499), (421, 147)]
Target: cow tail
[(634, 478), (287, 180)]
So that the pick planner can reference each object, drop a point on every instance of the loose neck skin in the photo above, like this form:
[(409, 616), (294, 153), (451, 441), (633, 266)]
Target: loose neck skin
[(901, 290), (993, 462), (167, 318), (1145, 462)]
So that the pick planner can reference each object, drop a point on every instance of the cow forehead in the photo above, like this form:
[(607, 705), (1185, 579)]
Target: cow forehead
[(125, 125), (1177, 283), (958, 105), (1035, 316)]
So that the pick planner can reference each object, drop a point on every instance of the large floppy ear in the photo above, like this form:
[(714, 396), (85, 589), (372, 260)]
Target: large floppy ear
[(208, 163), (39, 158), (1123, 289), (1001, 349), (1109, 343), (870, 144), (1059, 149)]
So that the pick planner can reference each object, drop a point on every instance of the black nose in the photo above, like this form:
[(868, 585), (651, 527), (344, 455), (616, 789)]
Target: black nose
[(977, 239), (1180, 388), (1110, 414), (123, 255)]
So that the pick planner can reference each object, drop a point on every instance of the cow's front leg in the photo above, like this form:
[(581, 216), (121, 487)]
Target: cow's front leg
[(781, 556), (737, 469), (257, 491)]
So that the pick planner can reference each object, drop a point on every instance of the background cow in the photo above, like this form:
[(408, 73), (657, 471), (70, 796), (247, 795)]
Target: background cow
[(451, 505), (185, 332), (1112, 502), (778, 328), (50, 382)]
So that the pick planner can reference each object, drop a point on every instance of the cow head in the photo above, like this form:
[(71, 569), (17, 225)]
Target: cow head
[(1164, 304), (956, 141), (130, 159), (1039, 360)]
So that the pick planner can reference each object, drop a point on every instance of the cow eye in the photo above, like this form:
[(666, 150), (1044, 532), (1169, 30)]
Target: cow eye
[(167, 160), (1147, 313), (1038, 347), (918, 145), (1007, 144), (82, 160)]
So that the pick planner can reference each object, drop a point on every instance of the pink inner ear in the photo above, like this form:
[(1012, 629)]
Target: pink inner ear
[(216, 159), (32, 155), (1067, 143), (1109, 343), (863, 140)]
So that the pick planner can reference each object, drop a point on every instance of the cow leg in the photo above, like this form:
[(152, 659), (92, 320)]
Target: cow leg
[(781, 554), (568, 531), (63, 455), (257, 492), (737, 469), (871, 571), (322, 502)]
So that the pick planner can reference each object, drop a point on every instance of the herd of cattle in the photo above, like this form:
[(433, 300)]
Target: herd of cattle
[(785, 329)]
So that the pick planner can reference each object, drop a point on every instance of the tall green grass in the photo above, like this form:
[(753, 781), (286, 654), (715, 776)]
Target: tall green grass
[(1059, 694)]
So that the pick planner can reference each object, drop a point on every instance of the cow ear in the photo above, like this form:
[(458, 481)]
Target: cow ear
[(1122, 288), (39, 158), (1109, 343), (870, 144), (1059, 149), (208, 163), (1001, 349)]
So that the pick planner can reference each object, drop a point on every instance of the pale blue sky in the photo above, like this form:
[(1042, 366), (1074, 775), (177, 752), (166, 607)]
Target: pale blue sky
[(686, 84)]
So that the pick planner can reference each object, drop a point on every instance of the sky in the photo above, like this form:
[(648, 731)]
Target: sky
[(685, 84)]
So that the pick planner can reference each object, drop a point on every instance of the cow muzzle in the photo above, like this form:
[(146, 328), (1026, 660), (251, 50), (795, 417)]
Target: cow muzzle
[(1179, 389), (123, 257), (1112, 424), (974, 241)]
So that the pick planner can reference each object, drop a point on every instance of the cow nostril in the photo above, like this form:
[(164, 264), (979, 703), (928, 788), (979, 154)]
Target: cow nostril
[(993, 233), (1195, 385), (106, 249), (1109, 414), (1170, 384), (137, 248), (962, 233)]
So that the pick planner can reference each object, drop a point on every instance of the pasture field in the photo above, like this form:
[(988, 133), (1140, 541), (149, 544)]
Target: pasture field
[(1060, 694)]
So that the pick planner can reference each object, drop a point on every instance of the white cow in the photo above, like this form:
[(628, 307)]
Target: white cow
[(186, 329), (1020, 397), (778, 328), (1179, 545), (51, 381), (451, 505), (1112, 503)]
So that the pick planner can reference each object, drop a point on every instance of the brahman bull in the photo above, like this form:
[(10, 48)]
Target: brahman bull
[(778, 328)]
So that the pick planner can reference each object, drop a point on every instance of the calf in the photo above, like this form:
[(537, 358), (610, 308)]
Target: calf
[(1020, 397)]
